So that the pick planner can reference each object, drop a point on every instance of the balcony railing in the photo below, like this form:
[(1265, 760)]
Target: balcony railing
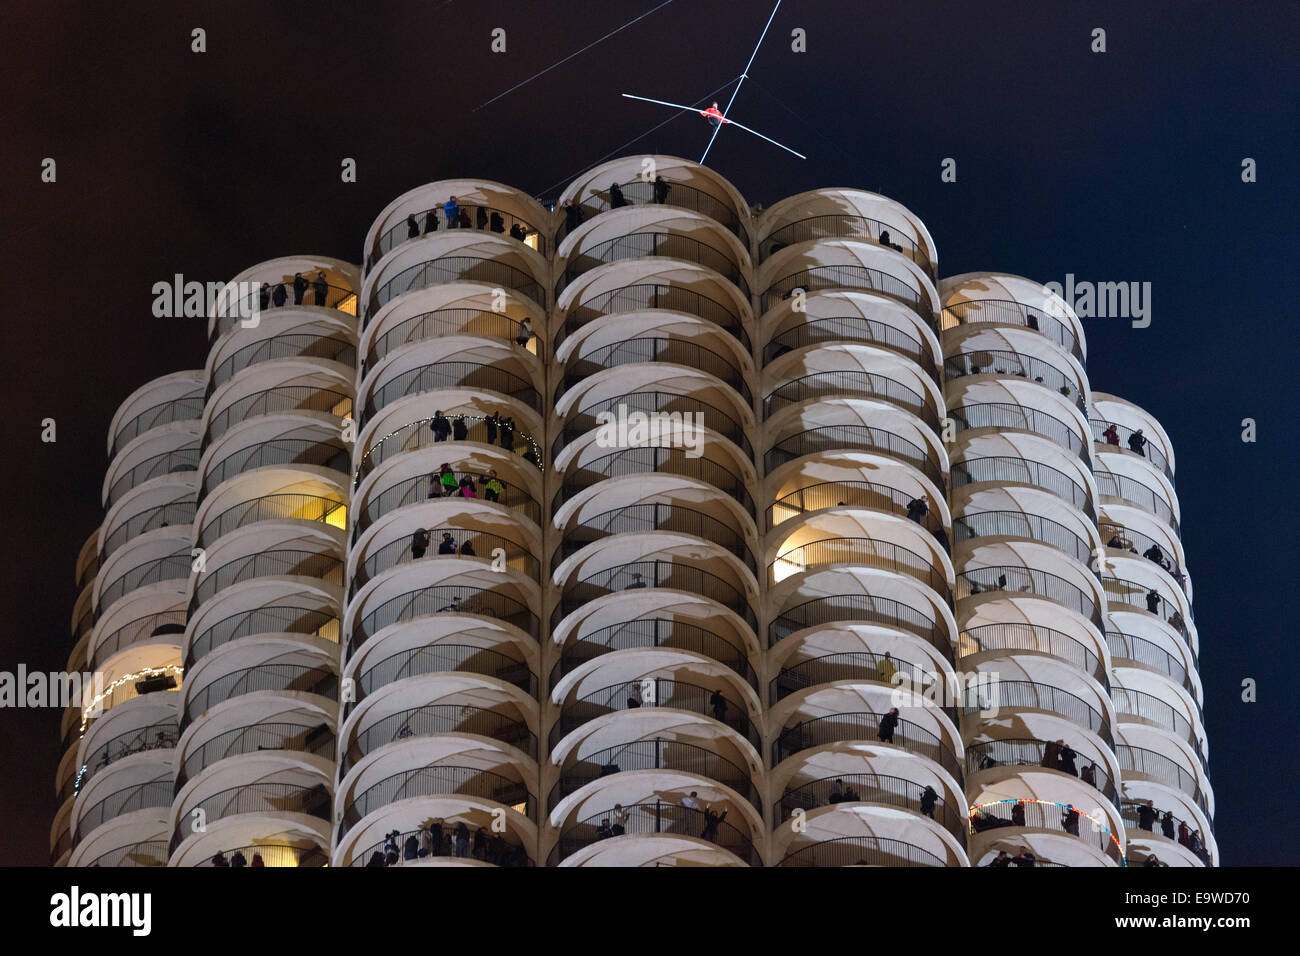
[(650, 817), (266, 797), (857, 493), (442, 658), (1047, 816), (637, 245), (173, 567), (1142, 447), (430, 720), (438, 781), (863, 725), (418, 435), (282, 398), (646, 459), (296, 507), (283, 619), (668, 413), (160, 735), (298, 678), (860, 552), (495, 849), (150, 519), (870, 788), (1111, 485), (1148, 707), (1168, 826), (1130, 647), (440, 375), (655, 692), (1152, 600), (654, 574), (846, 383), (673, 351), (846, 666), (448, 321), (424, 487), (458, 268), (334, 455), (852, 328), (482, 218), (147, 853), (655, 516), (653, 295), (639, 192), (140, 796), (655, 754), (444, 599), (1156, 765), (653, 632), (1028, 752), (181, 409), (309, 564), (1034, 695), (1018, 636), (278, 295), (271, 854), (846, 226), (1008, 468), (1015, 580), (1008, 312), (1005, 416), (1019, 524), (862, 851), (168, 463), (301, 345), (1007, 362), (850, 278), (860, 608), (465, 542), (854, 438), (318, 740), (1135, 542)]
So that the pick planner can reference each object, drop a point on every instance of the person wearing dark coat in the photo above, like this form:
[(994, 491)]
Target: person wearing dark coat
[(928, 800), (376, 859), (496, 223), (1153, 601), (419, 543), (480, 218), (412, 227), (1146, 816), (411, 849), (1167, 824), (572, 215), (887, 725), (448, 544), (264, 296), (616, 196), (517, 231), (508, 433), (238, 860), (441, 426), (462, 839), (491, 423), (661, 190), (219, 860), (299, 288), (1066, 758), (711, 822), (459, 429), (321, 288), (1018, 815), (480, 848), (430, 222), (278, 295)]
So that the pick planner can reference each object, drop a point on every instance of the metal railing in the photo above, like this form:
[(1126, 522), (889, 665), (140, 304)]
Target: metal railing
[(1148, 707), (1034, 695), (299, 345), (310, 564), (266, 797), (430, 720), (282, 294), (638, 192), (299, 738), (172, 567), (655, 516), (439, 375), (480, 545), (1008, 468), (652, 632), (1008, 312), (302, 678), (856, 493), (860, 608), (1152, 600), (281, 619), (1008, 415), (848, 666), (1171, 828), (847, 383), (1111, 485), (645, 459), (663, 409), (457, 268), (861, 552), (1132, 541), (654, 574), (332, 454), (1048, 816), (863, 725), (1019, 636), (869, 788), (483, 219), (1007, 362), (418, 435), (861, 851), (650, 817), (852, 328), (1153, 764), (146, 853), (1029, 752), (443, 599), (1019, 524), (825, 438), (168, 463), (1149, 449), (1130, 647), (281, 398), (653, 295), (436, 781), (440, 658), (446, 321), (653, 349), (654, 692), (846, 226), (426, 487), (495, 850), (140, 796), (183, 408), (850, 278), (149, 625), (274, 855), (161, 735), (150, 519), (1015, 579), (298, 507), (637, 245)]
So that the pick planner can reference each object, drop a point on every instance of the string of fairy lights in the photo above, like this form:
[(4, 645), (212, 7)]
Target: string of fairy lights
[(415, 425), (1065, 807)]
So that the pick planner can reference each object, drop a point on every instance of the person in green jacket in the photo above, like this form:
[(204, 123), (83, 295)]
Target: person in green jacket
[(447, 478), (492, 486)]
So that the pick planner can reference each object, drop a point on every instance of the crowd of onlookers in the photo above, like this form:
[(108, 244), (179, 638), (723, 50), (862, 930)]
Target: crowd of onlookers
[(438, 838)]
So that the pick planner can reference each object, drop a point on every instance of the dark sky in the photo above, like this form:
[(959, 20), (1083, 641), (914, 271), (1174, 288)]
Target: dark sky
[(1122, 166)]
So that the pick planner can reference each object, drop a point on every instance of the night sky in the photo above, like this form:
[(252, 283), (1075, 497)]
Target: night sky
[(1122, 166)]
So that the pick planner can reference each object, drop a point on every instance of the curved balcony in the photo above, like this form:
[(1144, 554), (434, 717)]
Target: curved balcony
[(1046, 815), (184, 408), (294, 678), (1030, 752), (257, 738), (648, 818), (841, 277), (1006, 469), (1156, 766), (665, 404), (863, 608), (161, 735), (424, 487), (496, 850), (332, 454), (320, 622), (825, 438), (268, 854), (1160, 553), (636, 297), (654, 516), (1148, 708), (637, 192), (1132, 491), (1019, 524), (1031, 695), (847, 383), (654, 459), (444, 658), (429, 720), (1133, 444), (172, 567), (171, 462), (1012, 313), (1009, 416), (448, 320), (638, 245), (653, 573), (851, 329), (859, 552), (172, 513), (1142, 819), (331, 348), (863, 725), (847, 666), (1120, 591), (846, 226), (282, 398), (441, 375), (1019, 636), (418, 435), (1006, 362), (275, 295), (655, 692), (277, 507), (1129, 648), (456, 269), (140, 796), (444, 599), (260, 797), (856, 493), (655, 754), (1015, 579), (874, 788), (470, 215), (147, 853), (653, 349), (438, 780), (277, 562), (861, 851), (466, 542)]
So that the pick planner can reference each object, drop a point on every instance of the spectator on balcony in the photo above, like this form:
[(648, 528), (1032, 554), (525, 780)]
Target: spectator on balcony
[(1089, 775), (257, 860), (219, 859), (507, 433), (492, 486), (1177, 622), (1051, 755), (1137, 442), (1024, 858), (492, 421), (886, 672), (1146, 816), (711, 823), (412, 227), (1018, 814), (1153, 861), (447, 479), (616, 196), (390, 848), (451, 212), (481, 217), (1184, 834), (530, 456), (459, 428), (1154, 554), (1115, 542), (621, 816), (692, 802), (419, 543), (497, 224), (572, 215), (1070, 819), (426, 841), (850, 795), (436, 838), (299, 288), (1003, 859), (480, 848), (929, 797), (263, 296), (430, 222), (467, 549), (1167, 825), (1065, 759), (376, 859), (462, 839), (525, 333), (1153, 601), (517, 231), (440, 426), (837, 792), (604, 831), (887, 725), (464, 218), (467, 487), (661, 190), (1111, 434), (917, 509), (278, 295), (411, 848), (633, 701), (320, 287), (718, 706), (448, 544)]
